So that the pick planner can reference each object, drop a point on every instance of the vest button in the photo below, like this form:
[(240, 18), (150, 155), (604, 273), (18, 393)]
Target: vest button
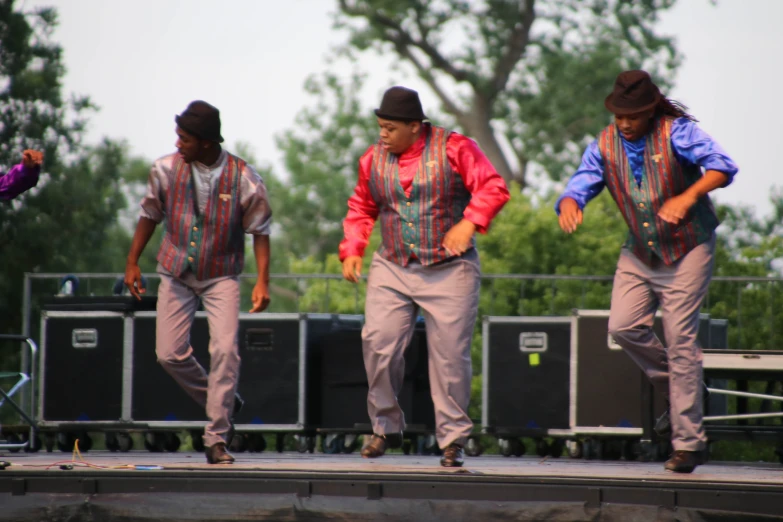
[(646, 224), (412, 245), (649, 243), (408, 204), (195, 229), (190, 259), (641, 205), (192, 243), (410, 225)]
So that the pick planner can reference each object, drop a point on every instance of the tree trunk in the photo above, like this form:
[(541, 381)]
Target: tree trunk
[(477, 126)]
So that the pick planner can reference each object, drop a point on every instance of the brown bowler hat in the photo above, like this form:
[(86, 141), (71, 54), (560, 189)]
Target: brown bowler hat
[(202, 120), (400, 104), (634, 91)]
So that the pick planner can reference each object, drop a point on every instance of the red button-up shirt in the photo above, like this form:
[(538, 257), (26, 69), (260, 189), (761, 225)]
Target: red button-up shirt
[(488, 190)]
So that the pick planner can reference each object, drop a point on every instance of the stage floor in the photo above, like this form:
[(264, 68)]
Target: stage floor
[(274, 486)]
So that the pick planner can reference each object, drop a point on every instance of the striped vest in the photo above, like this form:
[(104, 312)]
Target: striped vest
[(212, 244), (417, 224), (663, 178)]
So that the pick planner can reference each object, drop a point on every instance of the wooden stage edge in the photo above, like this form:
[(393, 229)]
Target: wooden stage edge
[(292, 486)]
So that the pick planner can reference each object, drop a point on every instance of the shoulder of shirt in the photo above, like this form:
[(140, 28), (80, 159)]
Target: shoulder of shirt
[(248, 170), (682, 123), (165, 163), (369, 152)]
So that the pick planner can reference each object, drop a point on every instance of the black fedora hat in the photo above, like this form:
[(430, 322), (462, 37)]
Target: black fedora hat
[(201, 120), (634, 91), (400, 103)]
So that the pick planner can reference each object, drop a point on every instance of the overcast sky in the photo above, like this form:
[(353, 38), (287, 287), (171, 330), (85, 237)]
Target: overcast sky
[(143, 61)]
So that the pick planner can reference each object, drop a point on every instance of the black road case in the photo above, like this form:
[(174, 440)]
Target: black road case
[(526, 375), (84, 366), (342, 388), (273, 375)]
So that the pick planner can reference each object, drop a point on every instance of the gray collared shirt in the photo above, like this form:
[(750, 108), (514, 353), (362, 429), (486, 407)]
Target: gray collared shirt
[(256, 213)]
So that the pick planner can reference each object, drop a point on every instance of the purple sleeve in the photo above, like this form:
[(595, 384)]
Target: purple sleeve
[(698, 148), (588, 181), (18, 180)]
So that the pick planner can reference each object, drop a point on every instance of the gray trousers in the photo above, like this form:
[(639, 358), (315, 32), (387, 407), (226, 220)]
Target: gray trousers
[(676, 370), (177, 303), (447, 295)]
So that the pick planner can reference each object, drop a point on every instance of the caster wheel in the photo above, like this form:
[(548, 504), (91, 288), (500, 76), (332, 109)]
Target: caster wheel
[(630, 450), (49, 442), (305, 444), (556, 448), (13, 438), (612, 449), (647, 451), (170, 442), (279, 442), (332, 443), (506, 446), (35, 445), (407, 446), (473, 447), (575, 449), (124, 442), (85, 442), (542, 448), (509, 447), (110, 440), (65, 441), (351, 442), (238, 443), (197, 440), (256, 443), (591, 449), (153, 442)]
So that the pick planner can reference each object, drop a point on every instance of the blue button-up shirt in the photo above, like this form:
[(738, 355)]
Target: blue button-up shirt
[(690, 144)]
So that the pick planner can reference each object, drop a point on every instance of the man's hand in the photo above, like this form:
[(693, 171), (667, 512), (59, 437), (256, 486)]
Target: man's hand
[(260, 296), (457, 239), (570, 215), (133, 280), (675, 209), (32, 158), (352, 268)]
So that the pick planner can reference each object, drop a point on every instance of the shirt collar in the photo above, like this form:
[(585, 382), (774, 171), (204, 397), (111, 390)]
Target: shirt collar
[(415, 149), (218, 164)]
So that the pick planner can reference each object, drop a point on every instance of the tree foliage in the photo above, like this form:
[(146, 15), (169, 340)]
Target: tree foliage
[(523, 76), (69, 222)]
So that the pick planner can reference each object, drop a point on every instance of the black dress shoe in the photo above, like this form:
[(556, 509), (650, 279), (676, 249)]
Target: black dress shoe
[(453, 456), (380, 443), (217, 454), (685, 461)]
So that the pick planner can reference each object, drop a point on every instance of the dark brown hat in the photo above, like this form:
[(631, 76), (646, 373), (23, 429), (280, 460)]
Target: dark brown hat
[(634, 91), (402, 104), (201, 120)]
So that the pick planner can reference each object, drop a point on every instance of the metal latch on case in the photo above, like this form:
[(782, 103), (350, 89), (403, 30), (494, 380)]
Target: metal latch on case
[(259, 339), (84, 338)]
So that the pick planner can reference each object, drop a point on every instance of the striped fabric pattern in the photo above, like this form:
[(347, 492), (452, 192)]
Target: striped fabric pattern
[(211, 245), (416, 224), (664, 177)]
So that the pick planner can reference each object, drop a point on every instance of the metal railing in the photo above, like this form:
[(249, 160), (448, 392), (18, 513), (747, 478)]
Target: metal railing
[(501, 294), (753, 306)]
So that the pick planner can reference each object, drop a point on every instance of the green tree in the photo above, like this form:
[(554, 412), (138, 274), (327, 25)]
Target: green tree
[(524, 76), (321, 159), (69, 222)]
